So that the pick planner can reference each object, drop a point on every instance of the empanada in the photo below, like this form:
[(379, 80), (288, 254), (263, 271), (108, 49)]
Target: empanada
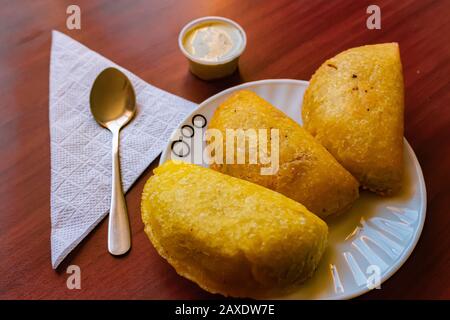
[(307, 172), (228, 235), (354, 107)]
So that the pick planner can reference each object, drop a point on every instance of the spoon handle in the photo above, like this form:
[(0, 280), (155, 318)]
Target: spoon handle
[(119, 237)]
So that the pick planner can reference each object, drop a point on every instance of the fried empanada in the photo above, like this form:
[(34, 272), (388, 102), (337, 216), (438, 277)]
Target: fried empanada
[(354, 108), (228, 235), (307, 172)]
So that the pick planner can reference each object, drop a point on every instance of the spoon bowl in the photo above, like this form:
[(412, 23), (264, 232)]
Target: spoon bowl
[(112, 100), (113, 105)]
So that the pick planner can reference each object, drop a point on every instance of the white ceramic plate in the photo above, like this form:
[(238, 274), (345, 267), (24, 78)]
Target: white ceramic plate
[(374, 238)]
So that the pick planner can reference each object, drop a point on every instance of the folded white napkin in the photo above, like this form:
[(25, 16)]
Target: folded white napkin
[(81, 149)]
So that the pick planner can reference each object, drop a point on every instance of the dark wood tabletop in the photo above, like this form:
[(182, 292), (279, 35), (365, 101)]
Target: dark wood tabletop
[(286, 39)]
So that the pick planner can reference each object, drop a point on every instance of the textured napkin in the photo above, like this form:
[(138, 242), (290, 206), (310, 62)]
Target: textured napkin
[(81, 149)]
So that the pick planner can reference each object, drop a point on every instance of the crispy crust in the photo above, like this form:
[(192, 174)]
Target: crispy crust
[(308, 173), (228, 235), (354, 107)]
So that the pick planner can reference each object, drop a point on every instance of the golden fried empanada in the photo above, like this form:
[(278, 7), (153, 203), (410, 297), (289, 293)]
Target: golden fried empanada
[(307, 172), (228, 235), (354, 107)]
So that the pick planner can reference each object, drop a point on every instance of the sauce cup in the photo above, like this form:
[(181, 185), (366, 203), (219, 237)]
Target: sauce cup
[(212, 46)]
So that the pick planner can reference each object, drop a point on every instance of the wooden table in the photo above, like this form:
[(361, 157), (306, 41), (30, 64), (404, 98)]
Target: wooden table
[(286, 39)]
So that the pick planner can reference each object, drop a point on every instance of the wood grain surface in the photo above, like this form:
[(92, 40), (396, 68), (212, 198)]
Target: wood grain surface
[(286, 39)]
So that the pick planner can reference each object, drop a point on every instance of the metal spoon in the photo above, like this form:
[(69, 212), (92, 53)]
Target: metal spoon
[(113, 105)]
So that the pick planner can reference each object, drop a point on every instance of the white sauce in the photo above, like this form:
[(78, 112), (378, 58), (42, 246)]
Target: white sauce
[(213, 41)]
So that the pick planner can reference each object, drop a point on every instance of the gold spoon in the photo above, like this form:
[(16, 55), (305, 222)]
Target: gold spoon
[(113, 105)]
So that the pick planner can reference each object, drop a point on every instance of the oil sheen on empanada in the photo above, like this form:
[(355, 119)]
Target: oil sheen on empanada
[(354, 108)]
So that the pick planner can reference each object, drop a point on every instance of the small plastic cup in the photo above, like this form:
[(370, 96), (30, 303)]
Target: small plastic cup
[(205, 69)]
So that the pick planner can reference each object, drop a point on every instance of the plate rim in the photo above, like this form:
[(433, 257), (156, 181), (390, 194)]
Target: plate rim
[(418, 168), (417, 233)]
